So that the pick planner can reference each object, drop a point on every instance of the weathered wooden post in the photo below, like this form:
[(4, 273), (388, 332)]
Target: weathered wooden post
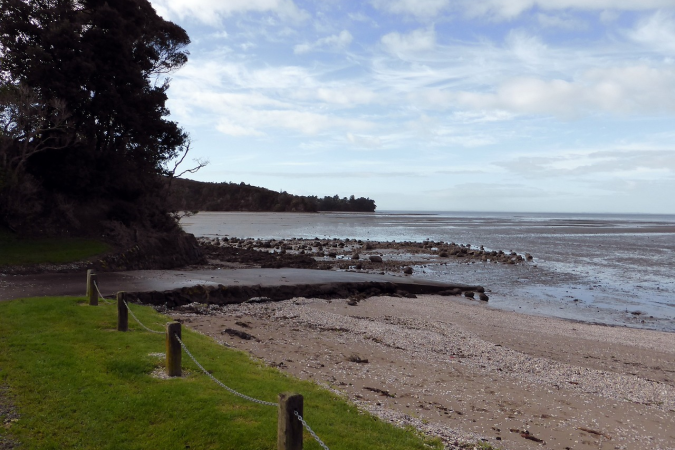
[(173, 350), (122, 313), (92, 293), (89, 274), (289, 427)]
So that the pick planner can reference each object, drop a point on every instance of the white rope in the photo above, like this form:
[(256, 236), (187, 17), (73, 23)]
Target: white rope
[(239, 394), (99, 293), (139, 322)]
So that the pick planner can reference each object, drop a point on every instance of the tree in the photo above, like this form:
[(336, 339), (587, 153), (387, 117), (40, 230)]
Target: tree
[(84, 87)]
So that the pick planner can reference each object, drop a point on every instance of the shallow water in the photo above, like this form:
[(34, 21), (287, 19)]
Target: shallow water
[(597, 268)]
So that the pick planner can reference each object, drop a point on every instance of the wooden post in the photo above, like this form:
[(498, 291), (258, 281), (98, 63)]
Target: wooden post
[(289, 427), (90, 272), (173, 350), (122, 313), (92, 293)]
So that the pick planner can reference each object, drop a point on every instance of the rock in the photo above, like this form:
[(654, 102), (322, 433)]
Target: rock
[(408, 270), (357, 359), (238, 333), (450, 292), (359, 267), (375, 258), (355, 256), (368, 246), (332, 255), (468, 294), (483, 297), (443, 254)]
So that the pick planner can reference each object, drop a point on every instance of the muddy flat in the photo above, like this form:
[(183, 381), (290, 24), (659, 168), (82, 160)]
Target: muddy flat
[(461, 371), (16, 286)]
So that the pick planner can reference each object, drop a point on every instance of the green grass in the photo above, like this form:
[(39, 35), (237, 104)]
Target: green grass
[(14, 251), (80, 384)]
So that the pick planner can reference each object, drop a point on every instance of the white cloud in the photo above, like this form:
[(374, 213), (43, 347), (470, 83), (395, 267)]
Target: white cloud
[(417, 8), (625, 164), (231, 129), (561, 21), (636, 89), (524, 46), (341, 40), (369, 142), (655, 32), (420, 40), (346, 96), (212, 12), (508, 9)]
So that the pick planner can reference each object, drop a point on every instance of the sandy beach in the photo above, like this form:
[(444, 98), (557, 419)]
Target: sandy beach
[(464, 372)]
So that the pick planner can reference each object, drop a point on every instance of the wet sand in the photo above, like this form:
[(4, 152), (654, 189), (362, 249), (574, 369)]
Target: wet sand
[(464, 372)]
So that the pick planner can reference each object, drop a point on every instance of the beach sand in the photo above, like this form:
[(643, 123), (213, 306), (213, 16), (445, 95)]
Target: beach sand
[(464, 372)]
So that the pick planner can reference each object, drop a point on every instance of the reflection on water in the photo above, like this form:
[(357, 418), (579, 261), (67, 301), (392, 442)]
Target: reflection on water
[(615, 264)]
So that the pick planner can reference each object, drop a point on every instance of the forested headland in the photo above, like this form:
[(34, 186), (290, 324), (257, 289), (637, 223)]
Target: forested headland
[(189, 195), (87, 148)]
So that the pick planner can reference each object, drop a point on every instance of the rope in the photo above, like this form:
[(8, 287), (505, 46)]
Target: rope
[(239, 394), (316, 438), (99, 293), (139, 322)]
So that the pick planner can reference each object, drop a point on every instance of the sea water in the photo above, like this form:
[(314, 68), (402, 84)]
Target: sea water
[(609, 269)]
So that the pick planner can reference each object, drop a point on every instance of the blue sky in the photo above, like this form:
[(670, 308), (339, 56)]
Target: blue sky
[(468, 105)]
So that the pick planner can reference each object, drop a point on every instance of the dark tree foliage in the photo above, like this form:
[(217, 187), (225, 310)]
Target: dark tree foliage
[(104, 64), (189, 195), (336, 203)]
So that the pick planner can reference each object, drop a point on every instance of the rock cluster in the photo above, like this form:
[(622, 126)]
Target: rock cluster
[(342, 253)]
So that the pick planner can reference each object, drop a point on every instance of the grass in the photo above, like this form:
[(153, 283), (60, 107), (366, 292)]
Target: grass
[(14, 251), (79, 384)]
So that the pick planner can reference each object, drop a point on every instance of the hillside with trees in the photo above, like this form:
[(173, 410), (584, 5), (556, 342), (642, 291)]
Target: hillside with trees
[(85, 142), (189, 195)]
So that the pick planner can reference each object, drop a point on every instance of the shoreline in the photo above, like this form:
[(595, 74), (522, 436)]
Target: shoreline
[(461, 371)]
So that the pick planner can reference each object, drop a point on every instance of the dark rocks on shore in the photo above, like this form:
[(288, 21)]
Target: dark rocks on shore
[(355, 256), (240, 334), (483, 297), (408, 270), (375, 258), (450, 292), (468, 294)]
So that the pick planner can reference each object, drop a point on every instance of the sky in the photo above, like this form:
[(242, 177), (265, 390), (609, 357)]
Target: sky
[(445, 105)]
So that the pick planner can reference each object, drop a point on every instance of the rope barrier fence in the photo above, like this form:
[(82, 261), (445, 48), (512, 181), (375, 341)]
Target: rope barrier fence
[(101, 295), (138, 321), (289, 433)]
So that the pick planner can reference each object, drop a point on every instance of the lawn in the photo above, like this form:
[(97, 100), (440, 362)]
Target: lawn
[(79, 384), (15, 251)]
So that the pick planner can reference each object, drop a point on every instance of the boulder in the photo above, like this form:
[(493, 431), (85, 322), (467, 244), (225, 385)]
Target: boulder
[(408, 270), (469, 294), (375, 258), (355, 256), (483, 297)]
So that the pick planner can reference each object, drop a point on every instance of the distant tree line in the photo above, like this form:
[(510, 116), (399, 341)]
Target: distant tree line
[(190, 195)]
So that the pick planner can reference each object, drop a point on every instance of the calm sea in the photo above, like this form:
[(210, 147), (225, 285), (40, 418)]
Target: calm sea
[(611, 269)]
